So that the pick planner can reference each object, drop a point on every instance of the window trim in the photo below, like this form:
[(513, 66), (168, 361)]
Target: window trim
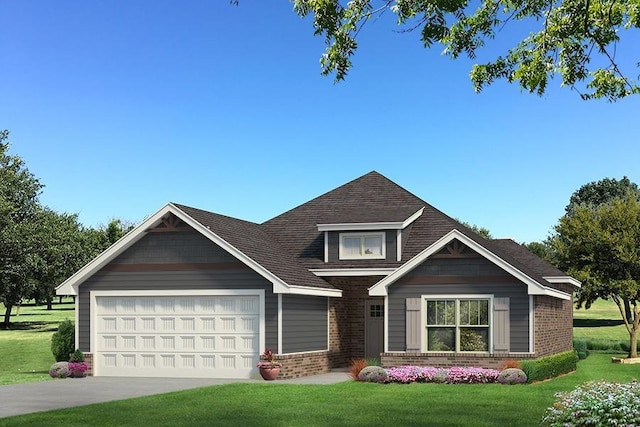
[(382, 235), (457, 299)]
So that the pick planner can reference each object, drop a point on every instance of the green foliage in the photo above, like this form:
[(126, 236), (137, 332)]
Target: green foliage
[(574, 39), (64, 341), (580, 346), (546, 367), (597, 193), (19, 191), (600, 246), (482, 231), (471, 340), (76, 356), (596, 404)]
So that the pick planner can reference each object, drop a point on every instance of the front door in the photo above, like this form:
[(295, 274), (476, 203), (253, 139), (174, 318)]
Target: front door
[(374, 328)]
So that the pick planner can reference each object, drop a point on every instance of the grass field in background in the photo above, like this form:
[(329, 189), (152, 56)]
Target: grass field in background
[(25, 348), (601, 322)]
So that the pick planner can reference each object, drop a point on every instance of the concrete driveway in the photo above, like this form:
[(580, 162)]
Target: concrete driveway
[(27, 398)]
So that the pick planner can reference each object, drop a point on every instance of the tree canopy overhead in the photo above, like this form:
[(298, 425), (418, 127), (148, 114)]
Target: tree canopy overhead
[(575, 39)]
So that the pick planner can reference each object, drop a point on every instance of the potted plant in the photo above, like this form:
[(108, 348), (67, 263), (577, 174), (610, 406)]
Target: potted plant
[(269, 366)]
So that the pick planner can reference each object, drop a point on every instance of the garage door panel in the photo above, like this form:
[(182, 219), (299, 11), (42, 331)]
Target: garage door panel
[(195, 336)]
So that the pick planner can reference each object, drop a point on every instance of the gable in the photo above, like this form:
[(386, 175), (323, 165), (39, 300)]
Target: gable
[(259, 250), (447, 243)]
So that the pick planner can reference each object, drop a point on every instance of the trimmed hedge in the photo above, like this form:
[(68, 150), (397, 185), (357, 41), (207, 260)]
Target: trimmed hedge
[(550, 366)]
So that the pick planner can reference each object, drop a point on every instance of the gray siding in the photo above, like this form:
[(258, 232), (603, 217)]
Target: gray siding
[(304, 323), (334, 246), (514, 290), (168, 280), (176, 247)]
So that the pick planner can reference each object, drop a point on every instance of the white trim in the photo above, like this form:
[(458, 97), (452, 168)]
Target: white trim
[(328, 272), (399, 245), (532, 324), (76, 310), (533, 286), (70, 286), (279, 323), (457, 298), (303, 352), (386, 324), (363, 236), (93, 295), (326, 246), (563, 279), (362, 226), (316, 292)]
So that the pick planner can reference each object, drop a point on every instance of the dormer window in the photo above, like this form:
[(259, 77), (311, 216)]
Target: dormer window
[(362, 246)]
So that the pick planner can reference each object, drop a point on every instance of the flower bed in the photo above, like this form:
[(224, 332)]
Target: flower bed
[(455, 375)]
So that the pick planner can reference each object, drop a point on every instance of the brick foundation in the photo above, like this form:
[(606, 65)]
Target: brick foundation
[(447, 360), (88, 359), (303, 364)]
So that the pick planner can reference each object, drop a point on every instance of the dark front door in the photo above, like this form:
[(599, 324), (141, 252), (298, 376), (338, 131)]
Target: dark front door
[(374, 328)]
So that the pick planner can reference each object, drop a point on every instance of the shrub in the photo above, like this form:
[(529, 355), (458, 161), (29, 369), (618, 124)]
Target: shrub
[(512, 376), (76, 356), (373, 361), (550, 366), (509, 363), (78, 369), (596, 404), (60, 370), (63, 341), (580, 346), (373, 374), (356, 366)]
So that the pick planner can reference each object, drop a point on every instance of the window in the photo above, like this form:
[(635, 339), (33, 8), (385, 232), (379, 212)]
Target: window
[(362, 246), (458, 324)]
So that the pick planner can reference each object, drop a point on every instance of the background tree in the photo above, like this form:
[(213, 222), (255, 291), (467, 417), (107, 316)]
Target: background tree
[(600, 246), (63, 247), (484, 232), (575, 39), (19, 191), (599, 192)]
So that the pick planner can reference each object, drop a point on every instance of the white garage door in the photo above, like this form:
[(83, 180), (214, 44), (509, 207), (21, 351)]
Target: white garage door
[(214, 336)]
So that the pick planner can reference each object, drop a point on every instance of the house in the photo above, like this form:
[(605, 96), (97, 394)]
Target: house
[(365, 270)]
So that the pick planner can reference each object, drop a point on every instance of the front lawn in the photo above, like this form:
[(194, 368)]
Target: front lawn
[(345, 404), (25, 348)]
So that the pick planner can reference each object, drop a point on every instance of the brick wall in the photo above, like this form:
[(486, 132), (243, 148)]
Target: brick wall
[(347, 317), (553, 325), (88, 359), (446, 360), (303, 364)]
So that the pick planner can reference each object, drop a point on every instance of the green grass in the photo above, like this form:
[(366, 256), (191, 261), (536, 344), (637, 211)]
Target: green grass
[(25, 348), (345, 404), (601, 322)]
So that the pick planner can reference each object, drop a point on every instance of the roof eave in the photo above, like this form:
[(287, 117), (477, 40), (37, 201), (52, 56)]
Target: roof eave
[(533, 286)]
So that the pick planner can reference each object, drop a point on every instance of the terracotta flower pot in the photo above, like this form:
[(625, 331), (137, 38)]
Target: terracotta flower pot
[(270, 374)]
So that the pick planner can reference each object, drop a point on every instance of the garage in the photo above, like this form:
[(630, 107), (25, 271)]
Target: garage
[(182, 333)]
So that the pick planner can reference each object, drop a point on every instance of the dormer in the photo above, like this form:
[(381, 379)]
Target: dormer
[(368, 234)]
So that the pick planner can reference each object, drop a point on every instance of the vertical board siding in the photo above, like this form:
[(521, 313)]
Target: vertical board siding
[(176, 280), (469, 267), (414, 332), (174, 247), (305, 324)]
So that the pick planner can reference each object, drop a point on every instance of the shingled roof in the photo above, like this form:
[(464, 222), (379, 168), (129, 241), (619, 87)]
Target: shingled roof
[(297, 229), (252, 240)]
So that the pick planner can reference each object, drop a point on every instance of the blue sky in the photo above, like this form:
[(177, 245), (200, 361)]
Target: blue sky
[(119, 107)]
